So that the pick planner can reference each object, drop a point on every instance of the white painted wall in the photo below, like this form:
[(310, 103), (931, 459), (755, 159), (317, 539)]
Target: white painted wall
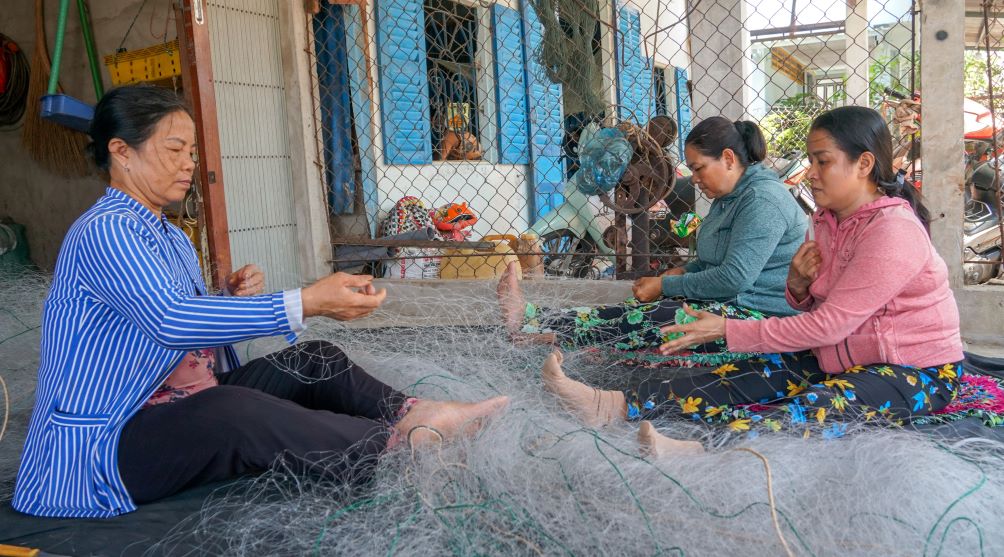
[(496, 193), (664, 30)]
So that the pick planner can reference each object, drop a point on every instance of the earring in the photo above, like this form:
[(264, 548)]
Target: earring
[(127, 168)]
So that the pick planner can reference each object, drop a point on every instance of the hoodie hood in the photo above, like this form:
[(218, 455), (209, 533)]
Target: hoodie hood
[(755, 172), (864, 212)]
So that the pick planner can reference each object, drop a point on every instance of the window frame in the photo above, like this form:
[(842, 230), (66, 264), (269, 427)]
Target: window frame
[(484, 87)]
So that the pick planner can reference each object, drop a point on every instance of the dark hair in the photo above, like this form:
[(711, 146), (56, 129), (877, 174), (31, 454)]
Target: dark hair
[(857, 129), (716, 134), (130, 113)]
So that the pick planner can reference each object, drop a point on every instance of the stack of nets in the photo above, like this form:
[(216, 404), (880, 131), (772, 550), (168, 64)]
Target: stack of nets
[(535, 482)]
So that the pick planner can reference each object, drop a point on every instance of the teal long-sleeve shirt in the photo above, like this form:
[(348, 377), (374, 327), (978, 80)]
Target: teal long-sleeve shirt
[(744, 246)]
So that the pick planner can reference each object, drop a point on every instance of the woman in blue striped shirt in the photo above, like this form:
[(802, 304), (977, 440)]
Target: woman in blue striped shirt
[(140, 393)]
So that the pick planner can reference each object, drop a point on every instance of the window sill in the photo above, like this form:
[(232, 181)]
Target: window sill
[(480, 162)]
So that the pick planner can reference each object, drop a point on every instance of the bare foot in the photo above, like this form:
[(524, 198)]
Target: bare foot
[(655, 444), (430, 421), (511, 298), (594, 407)]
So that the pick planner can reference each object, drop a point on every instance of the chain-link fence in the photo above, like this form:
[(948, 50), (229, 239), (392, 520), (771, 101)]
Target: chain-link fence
[(556, 127), (984, 82)]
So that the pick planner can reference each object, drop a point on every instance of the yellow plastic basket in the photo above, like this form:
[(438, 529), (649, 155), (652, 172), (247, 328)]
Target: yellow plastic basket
[(476, 264), (146, 65)]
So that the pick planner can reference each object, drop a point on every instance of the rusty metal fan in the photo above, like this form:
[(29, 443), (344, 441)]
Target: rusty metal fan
[(649, 178)]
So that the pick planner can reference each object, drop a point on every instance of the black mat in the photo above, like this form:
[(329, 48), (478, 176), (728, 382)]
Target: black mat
[(136, 533), (129, 534)]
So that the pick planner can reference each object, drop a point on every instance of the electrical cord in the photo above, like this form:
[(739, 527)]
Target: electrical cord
[(14, 96)]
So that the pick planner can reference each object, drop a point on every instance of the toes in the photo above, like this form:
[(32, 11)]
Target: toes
[(552, 367)]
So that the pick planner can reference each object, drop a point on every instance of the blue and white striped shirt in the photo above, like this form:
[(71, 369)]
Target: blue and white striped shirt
[(124, 308)]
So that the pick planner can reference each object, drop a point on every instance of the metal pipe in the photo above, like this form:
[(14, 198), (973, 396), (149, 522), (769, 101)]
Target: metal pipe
[(57, 55), (92, 55)]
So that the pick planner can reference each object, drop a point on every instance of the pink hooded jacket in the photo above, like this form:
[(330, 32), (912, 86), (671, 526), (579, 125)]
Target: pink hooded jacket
[(881, 296)]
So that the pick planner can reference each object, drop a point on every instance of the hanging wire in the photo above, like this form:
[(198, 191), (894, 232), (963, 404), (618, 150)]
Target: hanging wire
[(129, 29)]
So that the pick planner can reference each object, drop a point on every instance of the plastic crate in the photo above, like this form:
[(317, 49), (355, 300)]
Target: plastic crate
[(151, 64), (476, 264)]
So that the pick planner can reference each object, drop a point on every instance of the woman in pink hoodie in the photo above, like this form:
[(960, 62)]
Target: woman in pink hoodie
[(879, 334)]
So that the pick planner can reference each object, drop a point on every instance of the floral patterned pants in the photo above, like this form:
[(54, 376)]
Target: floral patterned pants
[(632, 330), (775, 391)]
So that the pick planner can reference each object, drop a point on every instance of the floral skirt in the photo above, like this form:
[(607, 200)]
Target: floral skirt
[(775, 391), (630, 331)]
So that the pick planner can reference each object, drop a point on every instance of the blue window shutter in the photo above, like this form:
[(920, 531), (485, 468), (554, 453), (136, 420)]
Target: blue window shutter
[(634, 70), (336, 112), (545, 109), (404, 82), (683, 112), (510, 86)]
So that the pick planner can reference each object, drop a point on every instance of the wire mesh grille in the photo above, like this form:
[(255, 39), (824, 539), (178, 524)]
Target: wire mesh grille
[(984, 80), (468, 119)]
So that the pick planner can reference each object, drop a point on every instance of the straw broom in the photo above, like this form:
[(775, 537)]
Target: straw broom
[(54, 147)]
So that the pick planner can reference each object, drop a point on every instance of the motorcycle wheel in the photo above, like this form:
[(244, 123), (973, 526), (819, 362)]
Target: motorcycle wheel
[(978, 273), (567, 255)]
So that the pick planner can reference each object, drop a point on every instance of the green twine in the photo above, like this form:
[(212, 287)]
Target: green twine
[(566, 50), (634, 496), (401, 525), (362, 504), (700, 505), (970, 491), (944, 534)]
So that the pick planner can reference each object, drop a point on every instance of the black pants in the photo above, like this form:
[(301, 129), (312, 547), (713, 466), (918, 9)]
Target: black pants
[(776, 391), (304, 404)]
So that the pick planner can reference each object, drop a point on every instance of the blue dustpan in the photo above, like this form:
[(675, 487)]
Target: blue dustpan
[(67, 111)]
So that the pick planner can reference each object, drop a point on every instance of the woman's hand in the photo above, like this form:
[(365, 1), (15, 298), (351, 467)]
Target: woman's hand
[(249, 280), (708, 327), (674, 272), (804, 269), (342, 296), (647, 289)]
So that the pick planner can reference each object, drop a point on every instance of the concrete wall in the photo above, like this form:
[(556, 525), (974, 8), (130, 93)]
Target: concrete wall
[(942, 42), (719, 45), (664, 30), (47, 204)]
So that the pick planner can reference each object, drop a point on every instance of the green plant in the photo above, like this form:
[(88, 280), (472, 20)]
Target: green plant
[(976, 82), (888, 71), (786, 126)]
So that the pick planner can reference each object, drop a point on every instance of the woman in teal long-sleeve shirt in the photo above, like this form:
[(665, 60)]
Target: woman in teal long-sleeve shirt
[(744, 247)]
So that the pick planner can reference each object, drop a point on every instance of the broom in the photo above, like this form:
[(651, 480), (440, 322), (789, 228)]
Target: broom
[(57, 149)]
